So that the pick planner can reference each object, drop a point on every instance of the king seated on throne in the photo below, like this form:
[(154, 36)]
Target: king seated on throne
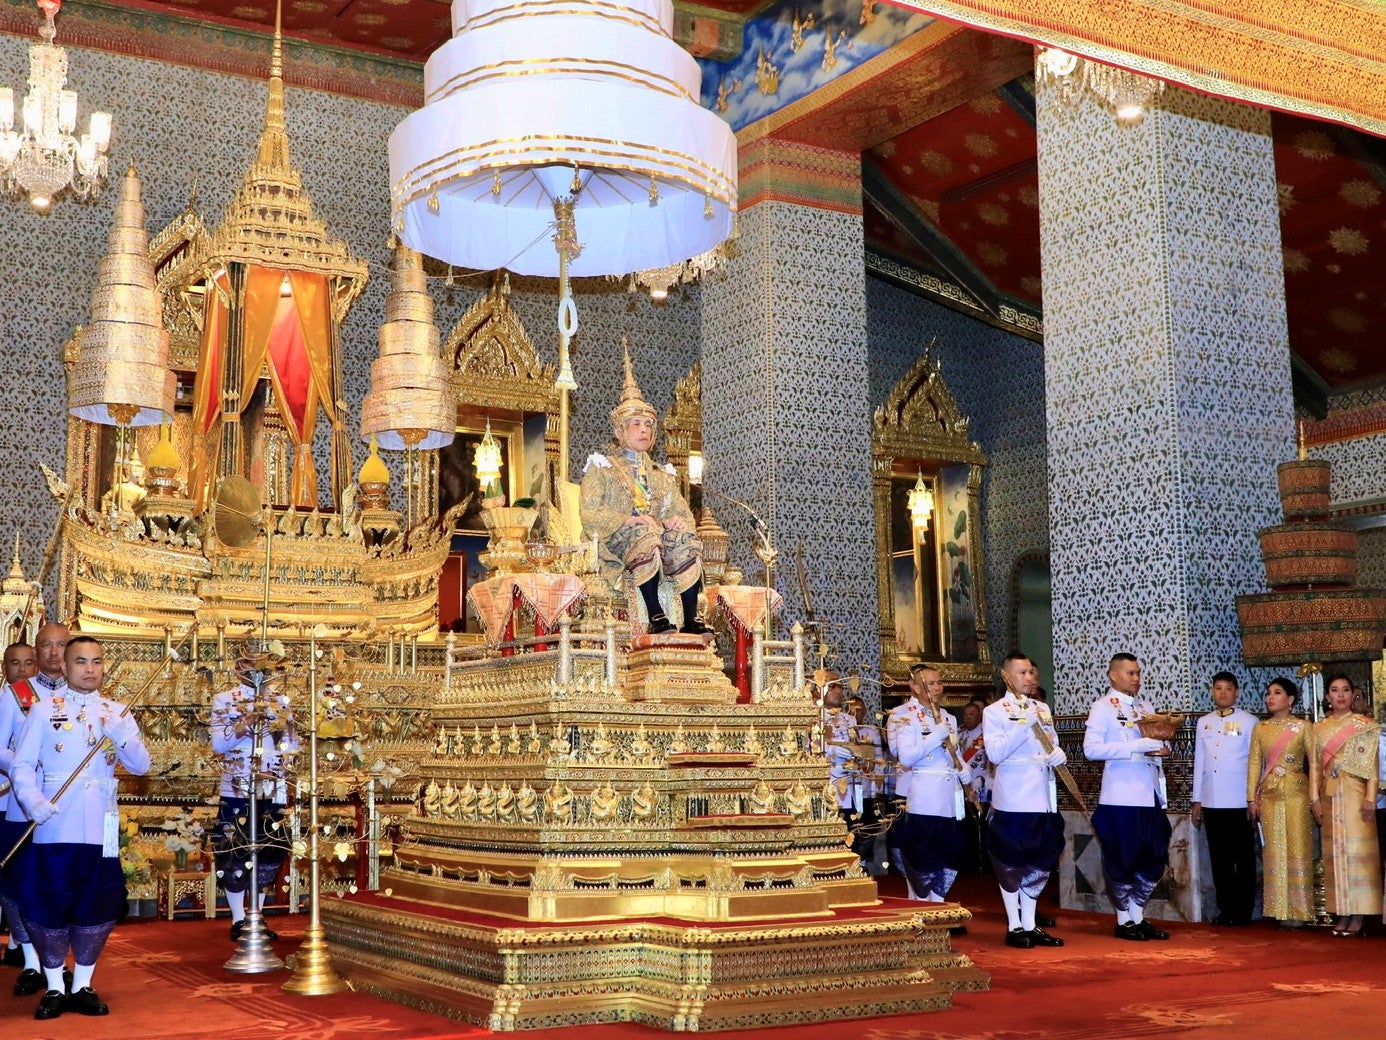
[(642, 525)]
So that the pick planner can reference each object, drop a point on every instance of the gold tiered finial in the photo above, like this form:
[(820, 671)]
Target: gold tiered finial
[(16, 570), (1303, 450), (409, 404), (121, 375), (632, 402), (270, 220)]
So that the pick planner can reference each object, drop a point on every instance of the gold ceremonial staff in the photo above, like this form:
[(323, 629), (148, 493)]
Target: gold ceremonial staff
[(172, 655), (1063, 771)]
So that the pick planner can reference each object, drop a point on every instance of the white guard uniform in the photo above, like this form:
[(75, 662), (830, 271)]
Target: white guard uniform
[(935, 788), (1131, 776), (1021, 780), (56, 737), (1221, 749), (227, 709)]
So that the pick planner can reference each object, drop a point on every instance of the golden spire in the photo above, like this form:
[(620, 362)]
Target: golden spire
[(270, 221), (121, 375), (632, 402), (409, 404)]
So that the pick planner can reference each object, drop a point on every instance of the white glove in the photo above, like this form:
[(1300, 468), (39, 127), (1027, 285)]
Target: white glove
[(1055, 758), (122, 730), (965, 774), (43, 812), (1142, 745)]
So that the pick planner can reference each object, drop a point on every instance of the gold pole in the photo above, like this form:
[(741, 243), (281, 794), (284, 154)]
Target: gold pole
[(565, 241), (313, 975)]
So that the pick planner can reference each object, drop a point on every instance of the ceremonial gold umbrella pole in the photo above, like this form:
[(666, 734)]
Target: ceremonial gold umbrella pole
[(313, 975), (235, 518)]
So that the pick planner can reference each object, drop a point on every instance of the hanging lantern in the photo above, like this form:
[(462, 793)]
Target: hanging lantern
[(921, 504), (488, 459)]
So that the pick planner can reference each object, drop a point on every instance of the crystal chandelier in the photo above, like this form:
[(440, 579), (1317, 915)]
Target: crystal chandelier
[(1128, 95), (43, 157)]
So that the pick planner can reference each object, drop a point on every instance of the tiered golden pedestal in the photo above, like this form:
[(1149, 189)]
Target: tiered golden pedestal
[(646, 849)]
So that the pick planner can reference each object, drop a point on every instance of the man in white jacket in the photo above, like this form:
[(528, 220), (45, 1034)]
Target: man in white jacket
[(1222, 747), (1130, 821), (1025, 833), (926, 742), (72, 888)]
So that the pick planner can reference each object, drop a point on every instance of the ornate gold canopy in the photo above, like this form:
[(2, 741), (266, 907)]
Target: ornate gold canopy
[(921, 433)]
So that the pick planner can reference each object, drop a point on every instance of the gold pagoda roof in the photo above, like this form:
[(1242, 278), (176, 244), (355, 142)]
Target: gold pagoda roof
[(270, 220)]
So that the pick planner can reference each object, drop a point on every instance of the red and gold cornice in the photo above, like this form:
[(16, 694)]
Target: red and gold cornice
[(804, 174), (1320, 58)]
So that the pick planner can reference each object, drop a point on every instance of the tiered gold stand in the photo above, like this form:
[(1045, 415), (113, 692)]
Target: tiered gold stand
[(603, 834)]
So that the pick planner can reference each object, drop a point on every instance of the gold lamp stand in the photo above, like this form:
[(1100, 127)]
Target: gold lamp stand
[(313, 974)]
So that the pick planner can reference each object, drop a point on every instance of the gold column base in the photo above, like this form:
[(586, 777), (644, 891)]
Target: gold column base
[(314, 975), (670, 975)]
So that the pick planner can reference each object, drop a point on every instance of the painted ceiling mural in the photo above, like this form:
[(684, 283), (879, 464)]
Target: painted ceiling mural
[(791, 49)]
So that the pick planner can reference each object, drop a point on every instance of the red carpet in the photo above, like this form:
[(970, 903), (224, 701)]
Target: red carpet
[(165, 981)]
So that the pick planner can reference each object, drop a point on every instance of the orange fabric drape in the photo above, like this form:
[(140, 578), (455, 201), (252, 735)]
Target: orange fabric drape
[(315, 323), (207, 390)]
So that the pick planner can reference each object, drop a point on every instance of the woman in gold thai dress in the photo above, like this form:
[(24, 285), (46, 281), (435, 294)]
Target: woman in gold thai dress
[(1278, 796), (1342, 788)]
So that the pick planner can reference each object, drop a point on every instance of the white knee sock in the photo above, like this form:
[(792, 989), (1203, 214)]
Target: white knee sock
[(235, 902), (1136, 911), (1012, 903), (55, 979), (81, 976), (31, 957), (1027, 911), (1123, 915)]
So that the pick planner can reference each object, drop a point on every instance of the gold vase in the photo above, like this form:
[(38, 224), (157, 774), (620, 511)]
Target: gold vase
[(506, 552)]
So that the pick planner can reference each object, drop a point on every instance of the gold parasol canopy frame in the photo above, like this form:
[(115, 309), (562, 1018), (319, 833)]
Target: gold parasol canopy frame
[(270, 237)]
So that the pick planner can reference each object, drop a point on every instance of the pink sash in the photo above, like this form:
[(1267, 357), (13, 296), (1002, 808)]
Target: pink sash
[(1274, 754), (1333, 744)]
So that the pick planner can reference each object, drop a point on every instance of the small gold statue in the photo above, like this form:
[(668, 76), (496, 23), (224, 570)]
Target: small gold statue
[(432, 799), (604, 803), (762, 799), (505, 804), (527, 802), (486, 801), (644, 802), (558, 803)]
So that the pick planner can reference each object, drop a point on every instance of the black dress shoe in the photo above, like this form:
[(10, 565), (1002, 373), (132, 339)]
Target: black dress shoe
[(659, 624), (1042, 938), (1132, 932), (695, 628), (86, 1002), (14, 958), (1020, 939), (1045, 921), (1151, 932), (29, 983), (50, 1005)]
